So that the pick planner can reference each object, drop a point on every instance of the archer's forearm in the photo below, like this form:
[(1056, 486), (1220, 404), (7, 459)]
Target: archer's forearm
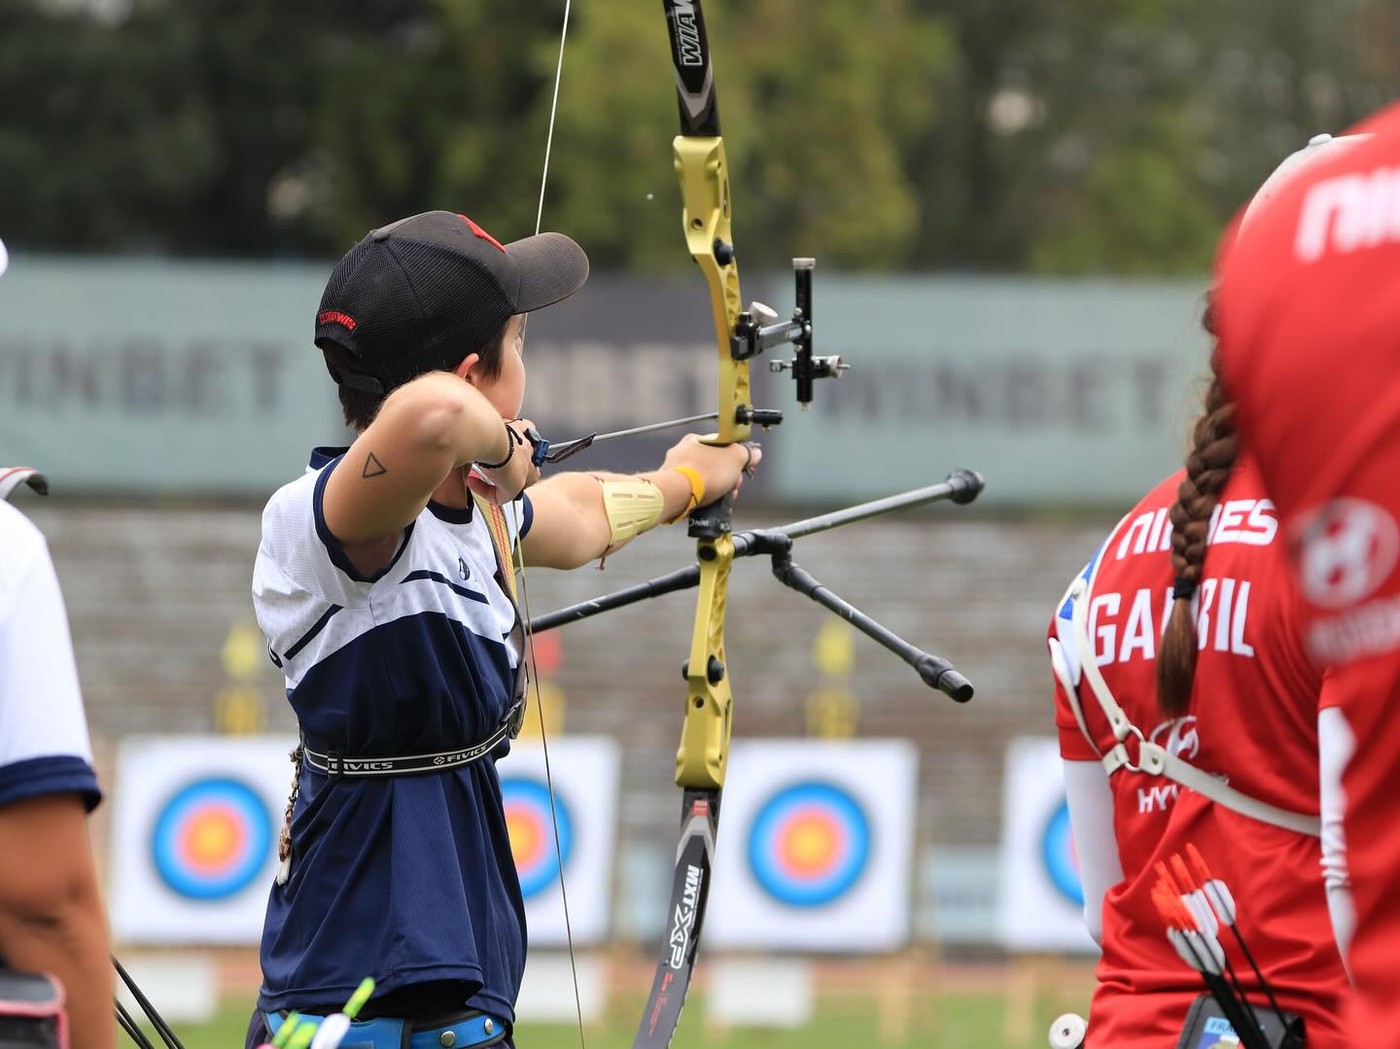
[(673, 485), (571, 525), (67, 938), (51, 913)]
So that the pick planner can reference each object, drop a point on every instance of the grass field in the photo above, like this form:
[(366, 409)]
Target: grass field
[(974, 1021), (1012, 1012)]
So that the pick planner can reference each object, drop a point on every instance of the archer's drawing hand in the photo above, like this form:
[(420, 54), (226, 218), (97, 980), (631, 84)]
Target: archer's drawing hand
[(503, 483), (722, 468)]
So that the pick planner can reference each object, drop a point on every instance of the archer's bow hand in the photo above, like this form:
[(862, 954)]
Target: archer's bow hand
[(721, 468)]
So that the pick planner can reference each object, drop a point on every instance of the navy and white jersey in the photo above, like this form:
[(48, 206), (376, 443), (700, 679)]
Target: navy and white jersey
[(408, 879), (44, 745)]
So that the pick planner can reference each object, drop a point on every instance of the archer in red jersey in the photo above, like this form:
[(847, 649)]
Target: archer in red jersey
[(1309, 301), (1191, 594)]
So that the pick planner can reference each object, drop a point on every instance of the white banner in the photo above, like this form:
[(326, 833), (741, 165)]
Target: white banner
[(194, 836), (815, 850), (1041, 902), (585, 771)]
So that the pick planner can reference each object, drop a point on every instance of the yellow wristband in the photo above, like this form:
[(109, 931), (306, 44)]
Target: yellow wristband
[(697, 490)]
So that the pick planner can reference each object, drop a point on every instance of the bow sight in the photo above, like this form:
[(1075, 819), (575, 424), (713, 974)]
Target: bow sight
[(758, 328), (755, 330)]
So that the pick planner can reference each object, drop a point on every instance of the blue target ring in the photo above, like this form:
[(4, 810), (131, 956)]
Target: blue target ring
[(1058, 856), (537, 862), (808, 844), (211, 838)]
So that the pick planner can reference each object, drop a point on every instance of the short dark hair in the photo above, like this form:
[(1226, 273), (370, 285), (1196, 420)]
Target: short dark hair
[(360, 406)]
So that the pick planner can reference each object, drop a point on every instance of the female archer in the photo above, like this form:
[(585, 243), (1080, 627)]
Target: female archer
[(1190, 717)]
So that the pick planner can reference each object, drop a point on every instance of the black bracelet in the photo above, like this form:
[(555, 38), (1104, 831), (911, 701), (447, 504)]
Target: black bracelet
[(1184, 589), (512, 439)]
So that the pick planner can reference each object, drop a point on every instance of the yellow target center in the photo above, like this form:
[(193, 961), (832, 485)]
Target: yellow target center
[(811, 844), (214, 839), (524, 838)]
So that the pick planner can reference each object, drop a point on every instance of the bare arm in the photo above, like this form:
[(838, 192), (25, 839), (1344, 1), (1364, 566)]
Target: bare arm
[(51, 914), (571, 524), (425, 429)]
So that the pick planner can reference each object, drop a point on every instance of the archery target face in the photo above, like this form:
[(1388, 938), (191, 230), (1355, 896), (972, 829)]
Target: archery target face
[(1058, 854), (211, 838), (585, 774), (1040, 900), (194, 836), (815, 850), (808, 844), (531, 829)]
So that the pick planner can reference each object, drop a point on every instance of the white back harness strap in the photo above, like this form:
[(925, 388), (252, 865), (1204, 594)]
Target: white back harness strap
[(1153, 758)]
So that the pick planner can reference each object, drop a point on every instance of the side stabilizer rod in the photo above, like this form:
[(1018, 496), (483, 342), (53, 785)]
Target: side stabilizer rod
[(935, 671), (961, 486)]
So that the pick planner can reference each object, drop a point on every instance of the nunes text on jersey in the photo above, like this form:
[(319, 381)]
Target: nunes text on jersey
[(1127, 625)]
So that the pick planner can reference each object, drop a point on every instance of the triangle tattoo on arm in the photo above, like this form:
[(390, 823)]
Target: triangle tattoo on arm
[(373, 467)]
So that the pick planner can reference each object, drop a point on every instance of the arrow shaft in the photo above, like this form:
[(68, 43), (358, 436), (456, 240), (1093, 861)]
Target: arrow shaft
[(561, 450), (653, 427)]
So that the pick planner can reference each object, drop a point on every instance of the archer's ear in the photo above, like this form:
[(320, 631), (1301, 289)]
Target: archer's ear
[(470, 369)]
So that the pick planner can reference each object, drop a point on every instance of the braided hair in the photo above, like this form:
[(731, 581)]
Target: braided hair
[(1209, 463)]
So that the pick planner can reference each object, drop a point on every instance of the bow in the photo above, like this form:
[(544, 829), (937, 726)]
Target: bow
[(704, 748), (741, 334), (11, 477)]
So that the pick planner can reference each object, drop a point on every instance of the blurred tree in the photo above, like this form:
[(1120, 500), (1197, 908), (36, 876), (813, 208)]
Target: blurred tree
[(166, 125), (814, 101), (1119, 135), (439, 113), (256, 127), (1067, 136)]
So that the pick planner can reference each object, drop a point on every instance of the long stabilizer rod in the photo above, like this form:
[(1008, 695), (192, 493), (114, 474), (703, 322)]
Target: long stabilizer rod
[(962, 486)]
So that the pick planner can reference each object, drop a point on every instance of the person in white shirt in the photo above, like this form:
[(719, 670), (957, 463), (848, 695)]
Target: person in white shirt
[(52, 918)]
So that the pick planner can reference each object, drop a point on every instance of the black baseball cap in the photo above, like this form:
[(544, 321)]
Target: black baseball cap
[(419, 294)]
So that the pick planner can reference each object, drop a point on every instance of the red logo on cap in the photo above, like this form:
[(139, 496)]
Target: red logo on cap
[(481, 232), (336, 317)]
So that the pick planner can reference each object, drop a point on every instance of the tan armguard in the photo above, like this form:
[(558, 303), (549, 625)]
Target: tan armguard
[(632, 507)]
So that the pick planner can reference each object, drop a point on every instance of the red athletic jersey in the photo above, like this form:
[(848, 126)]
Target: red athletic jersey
[(1308, 302), (1252, 719)]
